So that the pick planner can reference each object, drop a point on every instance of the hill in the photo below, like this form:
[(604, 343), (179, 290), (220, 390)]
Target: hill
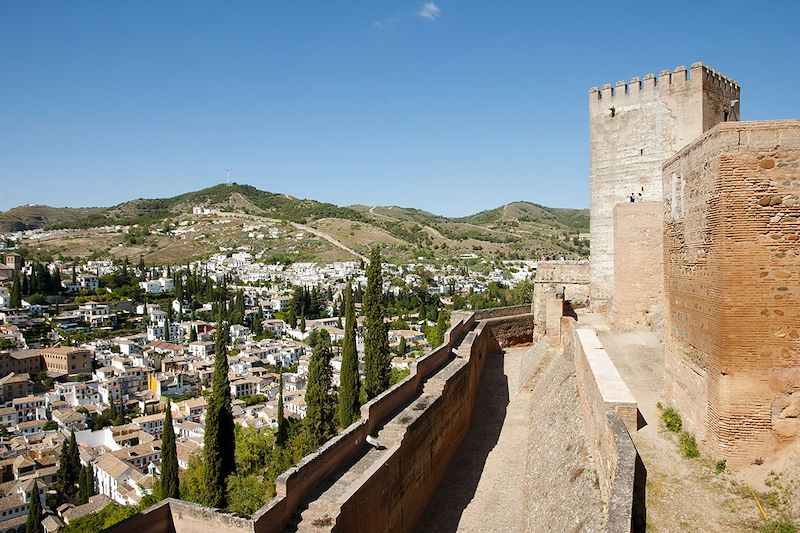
[(301, 229), (37, 216)]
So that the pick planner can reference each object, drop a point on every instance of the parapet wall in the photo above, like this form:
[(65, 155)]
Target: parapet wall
[(422, 421), (609, 413)]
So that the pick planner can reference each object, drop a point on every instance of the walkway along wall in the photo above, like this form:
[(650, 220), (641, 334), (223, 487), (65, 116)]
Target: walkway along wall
[(421, 421)]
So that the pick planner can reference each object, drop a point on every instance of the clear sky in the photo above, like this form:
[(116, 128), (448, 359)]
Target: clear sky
[(454, 106)]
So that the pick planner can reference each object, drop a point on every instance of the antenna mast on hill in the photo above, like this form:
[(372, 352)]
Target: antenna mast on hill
[(227, 176)]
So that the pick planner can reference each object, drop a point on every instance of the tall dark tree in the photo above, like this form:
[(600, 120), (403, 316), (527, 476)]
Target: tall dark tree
[(303, 323), (218, 444), (170, 487), (319, 421), (282, 433), (34, 523), (142, 269), (376, 339), (16, 292), (69, 467), (119, 419), (401, 346), (83, 487), (256, 325), (349, 381), (192, 333)]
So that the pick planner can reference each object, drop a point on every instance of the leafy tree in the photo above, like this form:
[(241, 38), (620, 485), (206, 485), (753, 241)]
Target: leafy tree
[(319, 420), (248, 493), (193, 488), (170, 487), (349, 381), (376, 339), (34, 523), (218, 444)]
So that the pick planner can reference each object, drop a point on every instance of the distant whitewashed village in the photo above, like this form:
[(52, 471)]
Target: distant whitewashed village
[(99, 356)]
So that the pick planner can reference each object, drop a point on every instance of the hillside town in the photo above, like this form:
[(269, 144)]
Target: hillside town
[(94, 351)]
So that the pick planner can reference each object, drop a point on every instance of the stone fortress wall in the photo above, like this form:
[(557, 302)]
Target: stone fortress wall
[(554, 277), (633, 128), (421, 422), (732, 269)]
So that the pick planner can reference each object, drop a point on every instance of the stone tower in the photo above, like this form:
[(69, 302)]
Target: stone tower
[(633, 128)]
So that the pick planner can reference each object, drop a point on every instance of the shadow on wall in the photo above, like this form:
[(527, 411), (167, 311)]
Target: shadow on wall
[(460, 481), (639, 511)]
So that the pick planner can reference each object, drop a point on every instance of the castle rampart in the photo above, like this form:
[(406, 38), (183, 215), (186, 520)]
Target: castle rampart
[(634, 127), (732, 271)]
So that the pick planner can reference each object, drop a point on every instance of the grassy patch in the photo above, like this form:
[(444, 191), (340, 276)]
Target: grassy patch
[(672, 420), (778, 526), (688, 446)]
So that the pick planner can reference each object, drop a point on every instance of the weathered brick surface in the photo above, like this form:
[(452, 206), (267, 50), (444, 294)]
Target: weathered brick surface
[(633, 127), (638, 299), (732, 270)]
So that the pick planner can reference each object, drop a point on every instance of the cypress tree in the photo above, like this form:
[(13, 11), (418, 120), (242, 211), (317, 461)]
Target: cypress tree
[(303, 323), (90, 489), (69, 466), (349, 381), (82, 487), (281, 434), (169, 459), (85, 484), (166, 329), (218, 443), (119, 419), (192, 333), (16, 293), (319, 421), (376, 339), (34, 523), (401, 346), (256, 326)]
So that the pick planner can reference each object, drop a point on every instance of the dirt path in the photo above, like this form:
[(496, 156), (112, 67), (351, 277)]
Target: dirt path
[(483, 487), (682, 494)]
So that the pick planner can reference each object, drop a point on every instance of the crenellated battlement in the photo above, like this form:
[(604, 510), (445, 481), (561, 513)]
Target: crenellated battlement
[(666, 78)]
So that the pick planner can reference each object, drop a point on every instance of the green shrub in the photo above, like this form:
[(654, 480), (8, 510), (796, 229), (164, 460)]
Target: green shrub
[(688, 446), (672, 420), (720, 466), (778, 526)]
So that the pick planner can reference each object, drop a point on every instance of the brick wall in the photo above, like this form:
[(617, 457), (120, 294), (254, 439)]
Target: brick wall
[(732, 271), (638, 299)]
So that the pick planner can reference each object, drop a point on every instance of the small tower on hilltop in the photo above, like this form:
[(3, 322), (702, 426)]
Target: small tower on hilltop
[(633, 128)]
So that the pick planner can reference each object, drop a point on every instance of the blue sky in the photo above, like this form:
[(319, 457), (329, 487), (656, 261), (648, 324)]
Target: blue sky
[(454, 106)]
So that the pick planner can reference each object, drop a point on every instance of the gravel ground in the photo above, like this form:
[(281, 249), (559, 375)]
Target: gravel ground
[(561, 490)]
